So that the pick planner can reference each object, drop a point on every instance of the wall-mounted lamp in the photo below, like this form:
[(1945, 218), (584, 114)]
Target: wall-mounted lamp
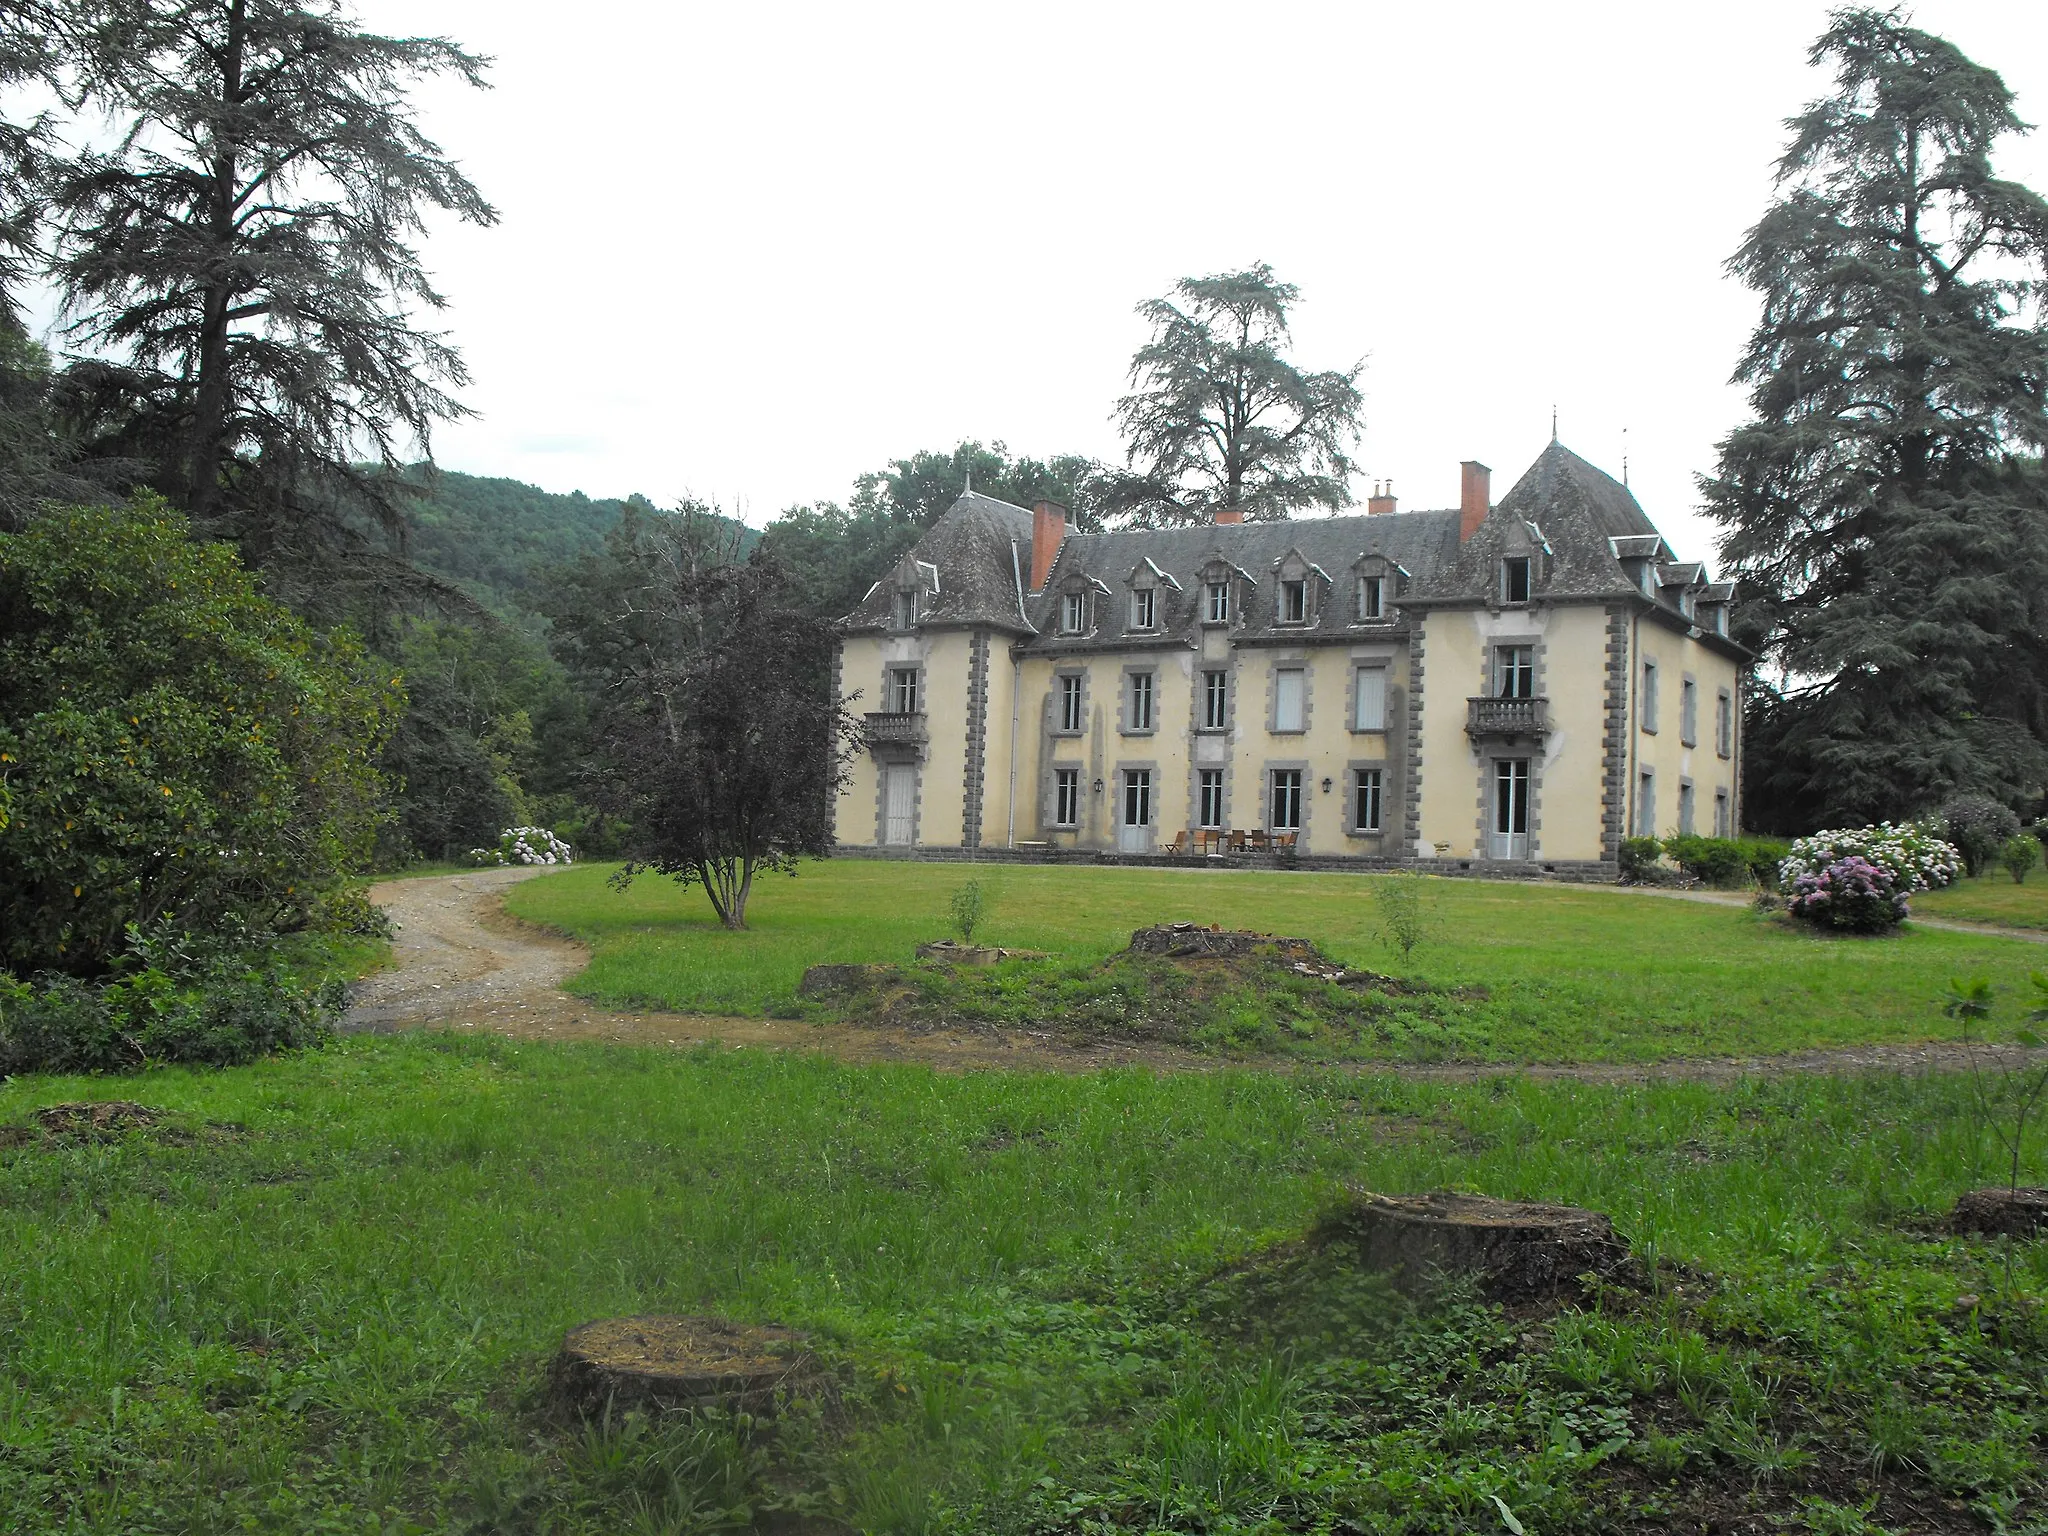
[(1326, 786), (1098, 786)]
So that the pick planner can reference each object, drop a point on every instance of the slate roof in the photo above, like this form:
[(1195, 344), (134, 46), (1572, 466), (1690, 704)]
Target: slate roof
[(1591, 533), (1417, 542), (971, 561)]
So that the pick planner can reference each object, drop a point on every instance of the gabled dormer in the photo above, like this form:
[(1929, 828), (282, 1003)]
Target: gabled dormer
[(914, 589), (1377, 584), (1148, 589), (1525, 564), (1078, 608), (1299, 589), (1226, 593)]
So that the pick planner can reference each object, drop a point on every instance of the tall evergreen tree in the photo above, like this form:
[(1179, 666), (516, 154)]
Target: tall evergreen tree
[(1885, 508), (238, 261), (1219, 418)]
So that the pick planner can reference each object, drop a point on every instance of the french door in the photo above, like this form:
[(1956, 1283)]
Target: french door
[(1134, 831), (1509, 838), (899, 804)]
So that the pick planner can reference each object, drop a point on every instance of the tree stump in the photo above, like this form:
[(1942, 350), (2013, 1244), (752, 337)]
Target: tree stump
[(947, 952), (2000, 1212), (1518, 1251), (678, 1362)]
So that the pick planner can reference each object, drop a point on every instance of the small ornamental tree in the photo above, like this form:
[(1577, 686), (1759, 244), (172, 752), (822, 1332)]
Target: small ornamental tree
[(174, 746), (718, 744), (1979, 827)]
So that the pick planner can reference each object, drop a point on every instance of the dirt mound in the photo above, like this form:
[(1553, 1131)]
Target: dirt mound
[(83, 1122), (2000, 1212)]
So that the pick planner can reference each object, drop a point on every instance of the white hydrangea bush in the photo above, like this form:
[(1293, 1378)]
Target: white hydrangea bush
[(1914, 857), (524, 845)]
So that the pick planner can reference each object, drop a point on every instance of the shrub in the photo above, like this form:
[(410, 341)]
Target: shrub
[(969, 907), (172, 1000), (1763, 855), (1638, 858), (173, 742), (1407, 912), (2019, 855), (1712, 860), (1851, 894), (1858, 879), (524, 845), (1979, 827)]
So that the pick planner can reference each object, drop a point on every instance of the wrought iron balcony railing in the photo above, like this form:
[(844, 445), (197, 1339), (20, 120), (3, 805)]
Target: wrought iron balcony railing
[(896, 729), (1507, 717)]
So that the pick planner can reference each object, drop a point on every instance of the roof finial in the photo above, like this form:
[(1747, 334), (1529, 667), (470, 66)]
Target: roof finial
[(1553, 421), (1624, 458), (970, 480)]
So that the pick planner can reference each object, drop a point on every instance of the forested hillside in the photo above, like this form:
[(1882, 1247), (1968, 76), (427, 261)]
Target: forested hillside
[(500, 539)]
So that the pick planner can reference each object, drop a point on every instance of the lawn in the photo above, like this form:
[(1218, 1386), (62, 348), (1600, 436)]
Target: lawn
[(328, 1302), (1567, 973), (1992, 898)]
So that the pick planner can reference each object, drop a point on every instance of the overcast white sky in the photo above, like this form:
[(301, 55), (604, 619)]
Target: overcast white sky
[(750, 250)]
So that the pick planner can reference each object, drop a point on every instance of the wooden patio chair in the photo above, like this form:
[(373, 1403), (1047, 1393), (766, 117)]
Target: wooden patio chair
[(1259, 841), (1237, 843), (1180, 841)]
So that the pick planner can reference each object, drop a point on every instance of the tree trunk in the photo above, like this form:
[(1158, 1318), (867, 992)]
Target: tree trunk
[(210, 403)]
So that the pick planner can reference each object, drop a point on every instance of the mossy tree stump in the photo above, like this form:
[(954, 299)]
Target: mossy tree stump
[(1518, 1251), (679, 1362), (2000, 1212)]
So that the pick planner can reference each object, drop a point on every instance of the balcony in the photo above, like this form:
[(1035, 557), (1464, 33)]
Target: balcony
[(896, 730), (1507, 717)]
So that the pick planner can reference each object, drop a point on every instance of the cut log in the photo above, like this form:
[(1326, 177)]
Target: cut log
[(1517, 1251), (679, 1362), (2000, 1212)]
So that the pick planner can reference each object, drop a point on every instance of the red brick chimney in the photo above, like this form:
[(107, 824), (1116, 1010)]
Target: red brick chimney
[(1381, 501), (1230, 514), (1048, 529), (1473, 503)]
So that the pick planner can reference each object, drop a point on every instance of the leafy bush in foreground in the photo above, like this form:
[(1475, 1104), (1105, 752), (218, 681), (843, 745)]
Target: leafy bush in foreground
[(173, 1000), (2019, 855), (174, 743)]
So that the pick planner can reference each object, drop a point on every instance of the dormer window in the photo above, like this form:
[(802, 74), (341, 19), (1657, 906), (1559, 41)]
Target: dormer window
[(906, 611), (1293, 602), (1144, 608), (1515, 579), (1073, 612), (1372, 599), (1216, 602)]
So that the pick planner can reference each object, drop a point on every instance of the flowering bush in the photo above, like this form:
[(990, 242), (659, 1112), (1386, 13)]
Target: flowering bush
[(1858, 879), (524, 845)]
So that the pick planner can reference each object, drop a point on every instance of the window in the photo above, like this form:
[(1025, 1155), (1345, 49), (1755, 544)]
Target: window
[(1070, 701), (906, 609), (1369, 700), (1647, 705), (1685, 808), (1514, 579), (1073, 613), (1366, 798), (1511, 798), (903, 690), (1215, 700), (1139, 716), (1218, 607), (1287, 699), (1286, 800), (1372, 598), (1066, 797), (1646, 805), (1293, 602), (1514, 671), (1724, 723), (1137, 797), (1210, 811), (1688, 712), (1721, 827), (1142, 608)]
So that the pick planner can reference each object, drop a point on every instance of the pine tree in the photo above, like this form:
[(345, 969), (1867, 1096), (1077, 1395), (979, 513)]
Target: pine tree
[(1885, 509), (238, 262), (1219, 418)]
